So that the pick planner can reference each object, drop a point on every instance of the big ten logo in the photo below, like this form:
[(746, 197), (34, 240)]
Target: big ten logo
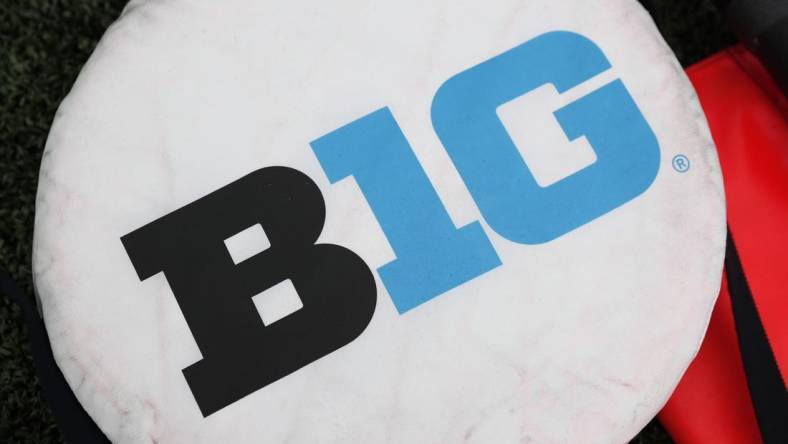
[(242, 353)]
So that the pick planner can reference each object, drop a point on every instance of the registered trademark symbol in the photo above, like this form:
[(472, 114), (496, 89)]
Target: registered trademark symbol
[(681, 163)]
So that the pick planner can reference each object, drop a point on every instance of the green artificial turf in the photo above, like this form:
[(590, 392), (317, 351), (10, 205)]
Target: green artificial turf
[(43, 44)]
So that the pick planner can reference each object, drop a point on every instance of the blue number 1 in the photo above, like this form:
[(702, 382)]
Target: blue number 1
[(432, 255)]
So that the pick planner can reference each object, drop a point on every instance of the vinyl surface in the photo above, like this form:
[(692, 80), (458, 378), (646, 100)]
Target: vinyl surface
[(545, 344)]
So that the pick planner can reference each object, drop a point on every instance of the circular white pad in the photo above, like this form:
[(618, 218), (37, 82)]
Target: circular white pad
[(573, 326)]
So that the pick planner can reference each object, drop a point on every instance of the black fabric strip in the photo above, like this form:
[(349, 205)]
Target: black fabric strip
[(74, 423), (773, 51), (750, 18), (767, 388)]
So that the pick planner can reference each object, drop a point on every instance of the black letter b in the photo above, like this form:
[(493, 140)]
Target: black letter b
[(240, 353)]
